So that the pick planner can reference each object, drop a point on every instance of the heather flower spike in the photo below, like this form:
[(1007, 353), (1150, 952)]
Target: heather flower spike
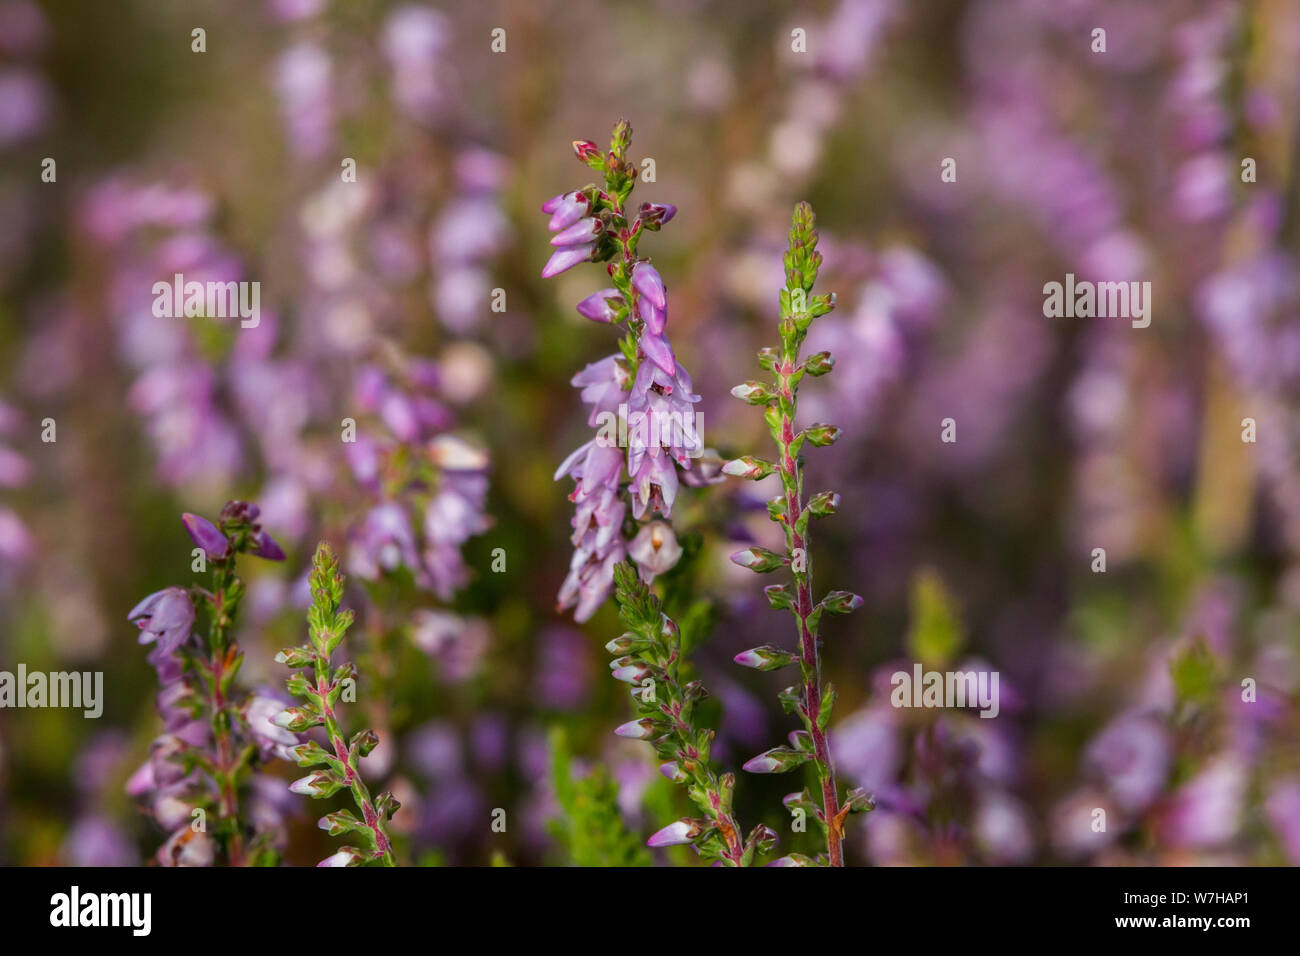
[(779, 397), (322, 690), (215, 739), (641, 387)]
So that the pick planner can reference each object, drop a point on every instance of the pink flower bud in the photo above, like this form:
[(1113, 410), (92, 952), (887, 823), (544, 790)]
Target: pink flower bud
[(646, 280), (566, 210), (658, 351), (584, 230), (206, 535), (601, 306), (584, 149), (654, 317), (676, 834), (565, 258), (642, 729)]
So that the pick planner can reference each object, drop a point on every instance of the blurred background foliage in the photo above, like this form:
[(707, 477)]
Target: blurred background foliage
[(1121, 690)]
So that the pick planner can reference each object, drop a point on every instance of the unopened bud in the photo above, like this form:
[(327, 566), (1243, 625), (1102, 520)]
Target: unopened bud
[(748, 467), (841, 602), (821, 435), (765, 658), (676, 834), (758, 559), (756, 393)]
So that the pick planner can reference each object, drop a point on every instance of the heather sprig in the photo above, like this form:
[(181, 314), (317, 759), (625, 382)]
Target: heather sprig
[(648, 656), (589, 824), (322, 690), (779, 398), (642, 393), (213, 740)]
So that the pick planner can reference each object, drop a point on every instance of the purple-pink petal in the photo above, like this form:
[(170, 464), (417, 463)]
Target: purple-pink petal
[(564, 259), (206, 535), (657, 350), (646, 280), (268, 548), (597, 306), (584, 230)]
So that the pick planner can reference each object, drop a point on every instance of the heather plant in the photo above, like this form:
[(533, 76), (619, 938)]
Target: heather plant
[(589, 824), (322, 689), (778, 397), (649, 655), (216, 739), (641, 396)]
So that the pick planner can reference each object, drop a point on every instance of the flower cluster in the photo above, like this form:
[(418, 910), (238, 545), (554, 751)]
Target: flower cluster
[(152, 231), (430, 485), (214, 740), (323, 690), (640, 398), (778, 398)]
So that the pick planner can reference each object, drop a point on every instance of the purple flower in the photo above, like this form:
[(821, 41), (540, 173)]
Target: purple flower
[(596, 467), (186, 847), (206, 535), (604, 386), (654, 484), (584, 230), (96, 841), (565, 210), (266, 547), (260, 710), (599, 547), (655, 318), (676, 834), (413, 41), (601, 306), (1206, 811), (655, 550), (655, 214), (1133, 754), (661, 415), (646, 280), (657, 350), (655, 412), (384, 542), (165, 616), (565, 258), (303, 82)]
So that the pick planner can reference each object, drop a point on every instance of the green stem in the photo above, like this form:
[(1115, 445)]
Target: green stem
[(803, 605), (353, 778), (221, 714)]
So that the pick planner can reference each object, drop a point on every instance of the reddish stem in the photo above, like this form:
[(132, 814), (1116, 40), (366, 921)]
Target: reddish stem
[(809, 659)]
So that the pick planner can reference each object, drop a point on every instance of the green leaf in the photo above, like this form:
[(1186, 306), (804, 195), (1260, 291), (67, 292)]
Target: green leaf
[(1195, 673), (936, 635), (779, 596), (827, 706)]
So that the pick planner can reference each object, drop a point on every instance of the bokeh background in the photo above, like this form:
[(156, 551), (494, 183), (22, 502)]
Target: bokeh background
[(1121, 690)]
